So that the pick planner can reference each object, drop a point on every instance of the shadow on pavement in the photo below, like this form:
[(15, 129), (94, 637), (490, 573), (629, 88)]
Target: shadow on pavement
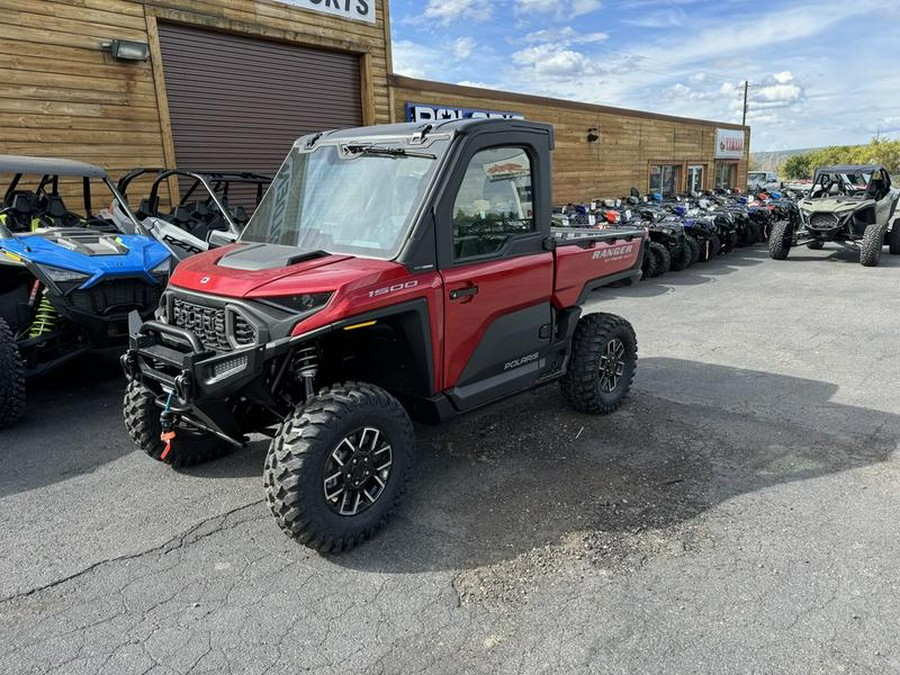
[(531, 473), (72, 424)]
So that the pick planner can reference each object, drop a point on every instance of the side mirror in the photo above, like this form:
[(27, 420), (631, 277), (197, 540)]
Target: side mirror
[(217, 238)]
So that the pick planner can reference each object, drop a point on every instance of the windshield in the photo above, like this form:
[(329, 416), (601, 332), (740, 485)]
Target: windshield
[(757, 175), (354, 199), (830, 184)]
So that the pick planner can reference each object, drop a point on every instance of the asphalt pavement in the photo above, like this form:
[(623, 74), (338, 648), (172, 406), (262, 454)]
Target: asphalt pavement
[(737, 515)]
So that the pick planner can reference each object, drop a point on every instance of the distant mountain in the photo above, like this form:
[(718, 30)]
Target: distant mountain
[(772, 159)]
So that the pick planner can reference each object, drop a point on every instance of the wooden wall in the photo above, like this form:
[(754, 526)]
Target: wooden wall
[(629, 140), (63, 96)]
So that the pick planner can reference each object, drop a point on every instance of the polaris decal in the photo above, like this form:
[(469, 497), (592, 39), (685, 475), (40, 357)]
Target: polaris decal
[(614, 252), (515, 363), (393, 289)]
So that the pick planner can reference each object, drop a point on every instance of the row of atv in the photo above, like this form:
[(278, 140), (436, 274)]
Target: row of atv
[(686, 229), (76, 258)]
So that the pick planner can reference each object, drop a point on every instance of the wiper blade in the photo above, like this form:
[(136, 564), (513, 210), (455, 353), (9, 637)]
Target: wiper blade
[(385, 151)]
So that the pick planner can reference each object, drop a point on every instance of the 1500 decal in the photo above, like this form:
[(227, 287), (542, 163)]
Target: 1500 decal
[(393, 289)]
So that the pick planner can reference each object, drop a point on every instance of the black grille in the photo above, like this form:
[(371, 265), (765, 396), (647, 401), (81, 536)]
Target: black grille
[(116, 297), (207, 323), (823, 221), (244, 334)]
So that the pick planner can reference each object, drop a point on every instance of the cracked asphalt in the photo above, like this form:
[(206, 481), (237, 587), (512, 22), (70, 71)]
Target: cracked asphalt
[(738, 515)]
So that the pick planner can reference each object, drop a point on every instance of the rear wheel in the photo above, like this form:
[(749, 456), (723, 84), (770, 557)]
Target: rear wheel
[(729, 242), (710, 248), (338, 466), (661, 259), (894, 238), (694, 246), (870, 249), (602, 364), (12, 378), (679, 257), (781, 238), (749, 234), (189, 447)]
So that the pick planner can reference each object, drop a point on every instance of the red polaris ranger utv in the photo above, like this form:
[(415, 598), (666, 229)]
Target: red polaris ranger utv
[(389, 271)]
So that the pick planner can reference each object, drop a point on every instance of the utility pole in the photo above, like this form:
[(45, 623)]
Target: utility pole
[(744, 117)]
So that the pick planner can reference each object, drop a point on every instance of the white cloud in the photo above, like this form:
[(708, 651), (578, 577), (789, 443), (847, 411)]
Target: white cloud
[(783, 77), (463, 47), (566, 36), (562, 10), (548, 60), (446, 12), (414, 60), (664, 18)]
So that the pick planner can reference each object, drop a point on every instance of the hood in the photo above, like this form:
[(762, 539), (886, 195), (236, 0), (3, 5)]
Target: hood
[(834, 204), (97, 254), (270, 270)]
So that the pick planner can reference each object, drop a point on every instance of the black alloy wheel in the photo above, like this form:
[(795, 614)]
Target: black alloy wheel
[(357, 471)]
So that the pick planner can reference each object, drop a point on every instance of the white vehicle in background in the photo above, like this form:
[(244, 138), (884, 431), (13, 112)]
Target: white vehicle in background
[(758, 181)]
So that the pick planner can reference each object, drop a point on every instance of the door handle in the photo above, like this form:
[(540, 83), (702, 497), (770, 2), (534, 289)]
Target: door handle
[(459, 293)]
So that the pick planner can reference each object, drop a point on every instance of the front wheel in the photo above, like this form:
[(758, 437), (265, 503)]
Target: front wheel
[(12, 378), (781, 238), (870, 249), (189, 447), (602, 364), (338, 466)]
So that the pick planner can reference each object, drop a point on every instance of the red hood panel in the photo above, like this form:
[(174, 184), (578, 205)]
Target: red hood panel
[(201, 273)]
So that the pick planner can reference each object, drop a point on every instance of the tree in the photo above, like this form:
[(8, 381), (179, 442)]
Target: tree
[(796, 167)]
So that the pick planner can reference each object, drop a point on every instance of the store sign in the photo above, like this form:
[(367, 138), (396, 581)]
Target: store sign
[(421, 112), (729, 144), (360, 10)]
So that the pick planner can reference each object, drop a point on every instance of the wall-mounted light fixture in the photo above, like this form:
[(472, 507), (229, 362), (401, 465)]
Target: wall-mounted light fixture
[(593, 135), (126, 50)]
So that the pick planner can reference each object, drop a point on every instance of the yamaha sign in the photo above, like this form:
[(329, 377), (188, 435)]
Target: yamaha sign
[(427, 112), (729, 143)]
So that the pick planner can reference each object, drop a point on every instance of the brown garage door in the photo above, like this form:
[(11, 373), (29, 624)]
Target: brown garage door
[(237, 103)]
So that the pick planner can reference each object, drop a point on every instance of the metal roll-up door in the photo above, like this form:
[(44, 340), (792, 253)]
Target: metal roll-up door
[(237, 103)]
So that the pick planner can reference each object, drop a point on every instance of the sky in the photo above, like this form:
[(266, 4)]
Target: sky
[(821, 72)]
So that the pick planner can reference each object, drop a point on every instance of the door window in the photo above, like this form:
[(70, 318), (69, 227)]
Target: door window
[(494, 202), (695, 178), (665, 178), (726, 174)]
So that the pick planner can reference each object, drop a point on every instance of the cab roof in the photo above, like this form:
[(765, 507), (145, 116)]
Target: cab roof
[(409, 129), (49, 166)]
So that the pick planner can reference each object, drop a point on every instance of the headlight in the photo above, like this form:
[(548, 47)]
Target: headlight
[(60, 274), (301, 303), (163, 269)]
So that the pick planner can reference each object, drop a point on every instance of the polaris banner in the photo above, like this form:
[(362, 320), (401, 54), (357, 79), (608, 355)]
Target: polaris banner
[(424, 112), (729, 143), (361, 10)]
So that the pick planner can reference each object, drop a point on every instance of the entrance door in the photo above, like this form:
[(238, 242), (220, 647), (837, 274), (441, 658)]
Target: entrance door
[(497, 277), (695, 178)]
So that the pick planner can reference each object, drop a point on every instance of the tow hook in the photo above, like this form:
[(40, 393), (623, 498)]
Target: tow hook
[(129, 365), (183, 386), (167, 424)]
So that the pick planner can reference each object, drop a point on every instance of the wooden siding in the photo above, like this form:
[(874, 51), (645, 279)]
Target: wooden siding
[(64, 96), (630, 141)]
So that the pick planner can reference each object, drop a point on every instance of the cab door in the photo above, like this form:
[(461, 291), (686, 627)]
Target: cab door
[(496, 274)]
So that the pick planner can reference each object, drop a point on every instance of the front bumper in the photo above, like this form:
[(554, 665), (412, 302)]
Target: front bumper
[(202, 383)]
